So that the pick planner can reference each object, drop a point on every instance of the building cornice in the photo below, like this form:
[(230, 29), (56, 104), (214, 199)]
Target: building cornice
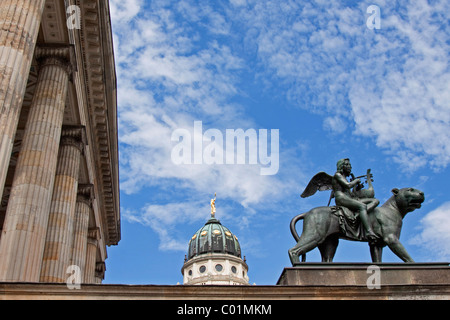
[(100, 83)]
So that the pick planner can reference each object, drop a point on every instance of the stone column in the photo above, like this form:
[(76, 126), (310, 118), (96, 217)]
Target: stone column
[(19, 27), (25, 227), (91, 256), (58, 243), (81, 225)]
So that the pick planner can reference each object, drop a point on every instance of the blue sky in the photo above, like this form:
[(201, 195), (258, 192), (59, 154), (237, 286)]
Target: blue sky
[(311, 69)]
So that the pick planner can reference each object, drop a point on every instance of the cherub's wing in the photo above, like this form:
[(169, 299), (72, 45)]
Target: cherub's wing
[(321, 182)]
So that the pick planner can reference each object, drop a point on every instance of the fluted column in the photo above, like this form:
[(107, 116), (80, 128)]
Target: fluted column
[(91, 256), (81, 225), (58, 243), (19, 27), (25, 227)]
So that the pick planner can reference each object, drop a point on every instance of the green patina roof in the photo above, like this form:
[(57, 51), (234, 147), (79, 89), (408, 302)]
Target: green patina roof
[(213, 237)]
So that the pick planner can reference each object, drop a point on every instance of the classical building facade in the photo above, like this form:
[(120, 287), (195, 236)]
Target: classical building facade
[(58, 140)]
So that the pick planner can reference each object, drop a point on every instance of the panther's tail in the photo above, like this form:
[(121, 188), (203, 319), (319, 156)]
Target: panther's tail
[(293, 223), (294, 230)]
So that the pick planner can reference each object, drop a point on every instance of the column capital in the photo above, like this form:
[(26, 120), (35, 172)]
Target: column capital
[(56, 54), (100, 268), (93, 234), (85, 193), (75, 136)]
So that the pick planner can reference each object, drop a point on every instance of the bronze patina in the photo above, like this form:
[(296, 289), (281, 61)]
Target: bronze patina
[(355, 217)]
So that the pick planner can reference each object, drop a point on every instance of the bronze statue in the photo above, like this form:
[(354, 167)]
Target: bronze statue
[(355, 217), (345, 197), (350, 195)]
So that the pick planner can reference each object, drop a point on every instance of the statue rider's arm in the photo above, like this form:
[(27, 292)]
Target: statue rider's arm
[(344, 183)]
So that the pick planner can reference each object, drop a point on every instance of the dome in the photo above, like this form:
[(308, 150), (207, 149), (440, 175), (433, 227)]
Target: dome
[(213, 237), (214, 256)]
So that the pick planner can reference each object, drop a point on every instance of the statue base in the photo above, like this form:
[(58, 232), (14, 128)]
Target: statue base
[(365, 274)]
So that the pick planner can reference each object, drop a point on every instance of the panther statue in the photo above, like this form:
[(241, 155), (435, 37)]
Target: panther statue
[(322, 228)]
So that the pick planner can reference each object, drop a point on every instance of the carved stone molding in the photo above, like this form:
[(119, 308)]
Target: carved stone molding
[(53, 23), (96, 38), (100, 269), (85, 193), (59, 55), (75, 136), (94, 234)]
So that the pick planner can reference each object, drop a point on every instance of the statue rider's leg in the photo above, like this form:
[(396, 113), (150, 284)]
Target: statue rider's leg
[(371, 203), (361, 208)]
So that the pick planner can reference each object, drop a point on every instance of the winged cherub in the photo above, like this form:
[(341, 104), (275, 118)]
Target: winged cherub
[(343, 194)]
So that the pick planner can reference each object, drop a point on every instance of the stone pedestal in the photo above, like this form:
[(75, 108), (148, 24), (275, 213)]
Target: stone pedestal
[(366, 274)]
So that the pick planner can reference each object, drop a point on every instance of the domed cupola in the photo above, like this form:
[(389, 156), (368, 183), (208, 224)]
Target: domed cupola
[(214, 255), (213, 237)]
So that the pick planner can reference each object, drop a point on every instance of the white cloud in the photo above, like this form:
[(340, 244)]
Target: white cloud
[(335, 124), (434, 233), (389, 84), (125, 10), (164, 219), (167, 79)]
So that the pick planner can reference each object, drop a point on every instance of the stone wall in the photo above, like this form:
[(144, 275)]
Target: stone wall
[(28, 291)]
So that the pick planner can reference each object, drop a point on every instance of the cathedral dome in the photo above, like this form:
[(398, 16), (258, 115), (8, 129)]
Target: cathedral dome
[(213, 237), (214, 256)]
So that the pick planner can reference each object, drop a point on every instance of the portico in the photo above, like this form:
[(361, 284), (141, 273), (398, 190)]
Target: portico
[(58, 130)]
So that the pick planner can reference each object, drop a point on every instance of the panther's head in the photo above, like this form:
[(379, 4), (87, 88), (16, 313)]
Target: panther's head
[(408, 199)]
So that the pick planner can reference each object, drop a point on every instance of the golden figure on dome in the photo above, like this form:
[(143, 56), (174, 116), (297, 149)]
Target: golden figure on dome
[(213, 206)]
